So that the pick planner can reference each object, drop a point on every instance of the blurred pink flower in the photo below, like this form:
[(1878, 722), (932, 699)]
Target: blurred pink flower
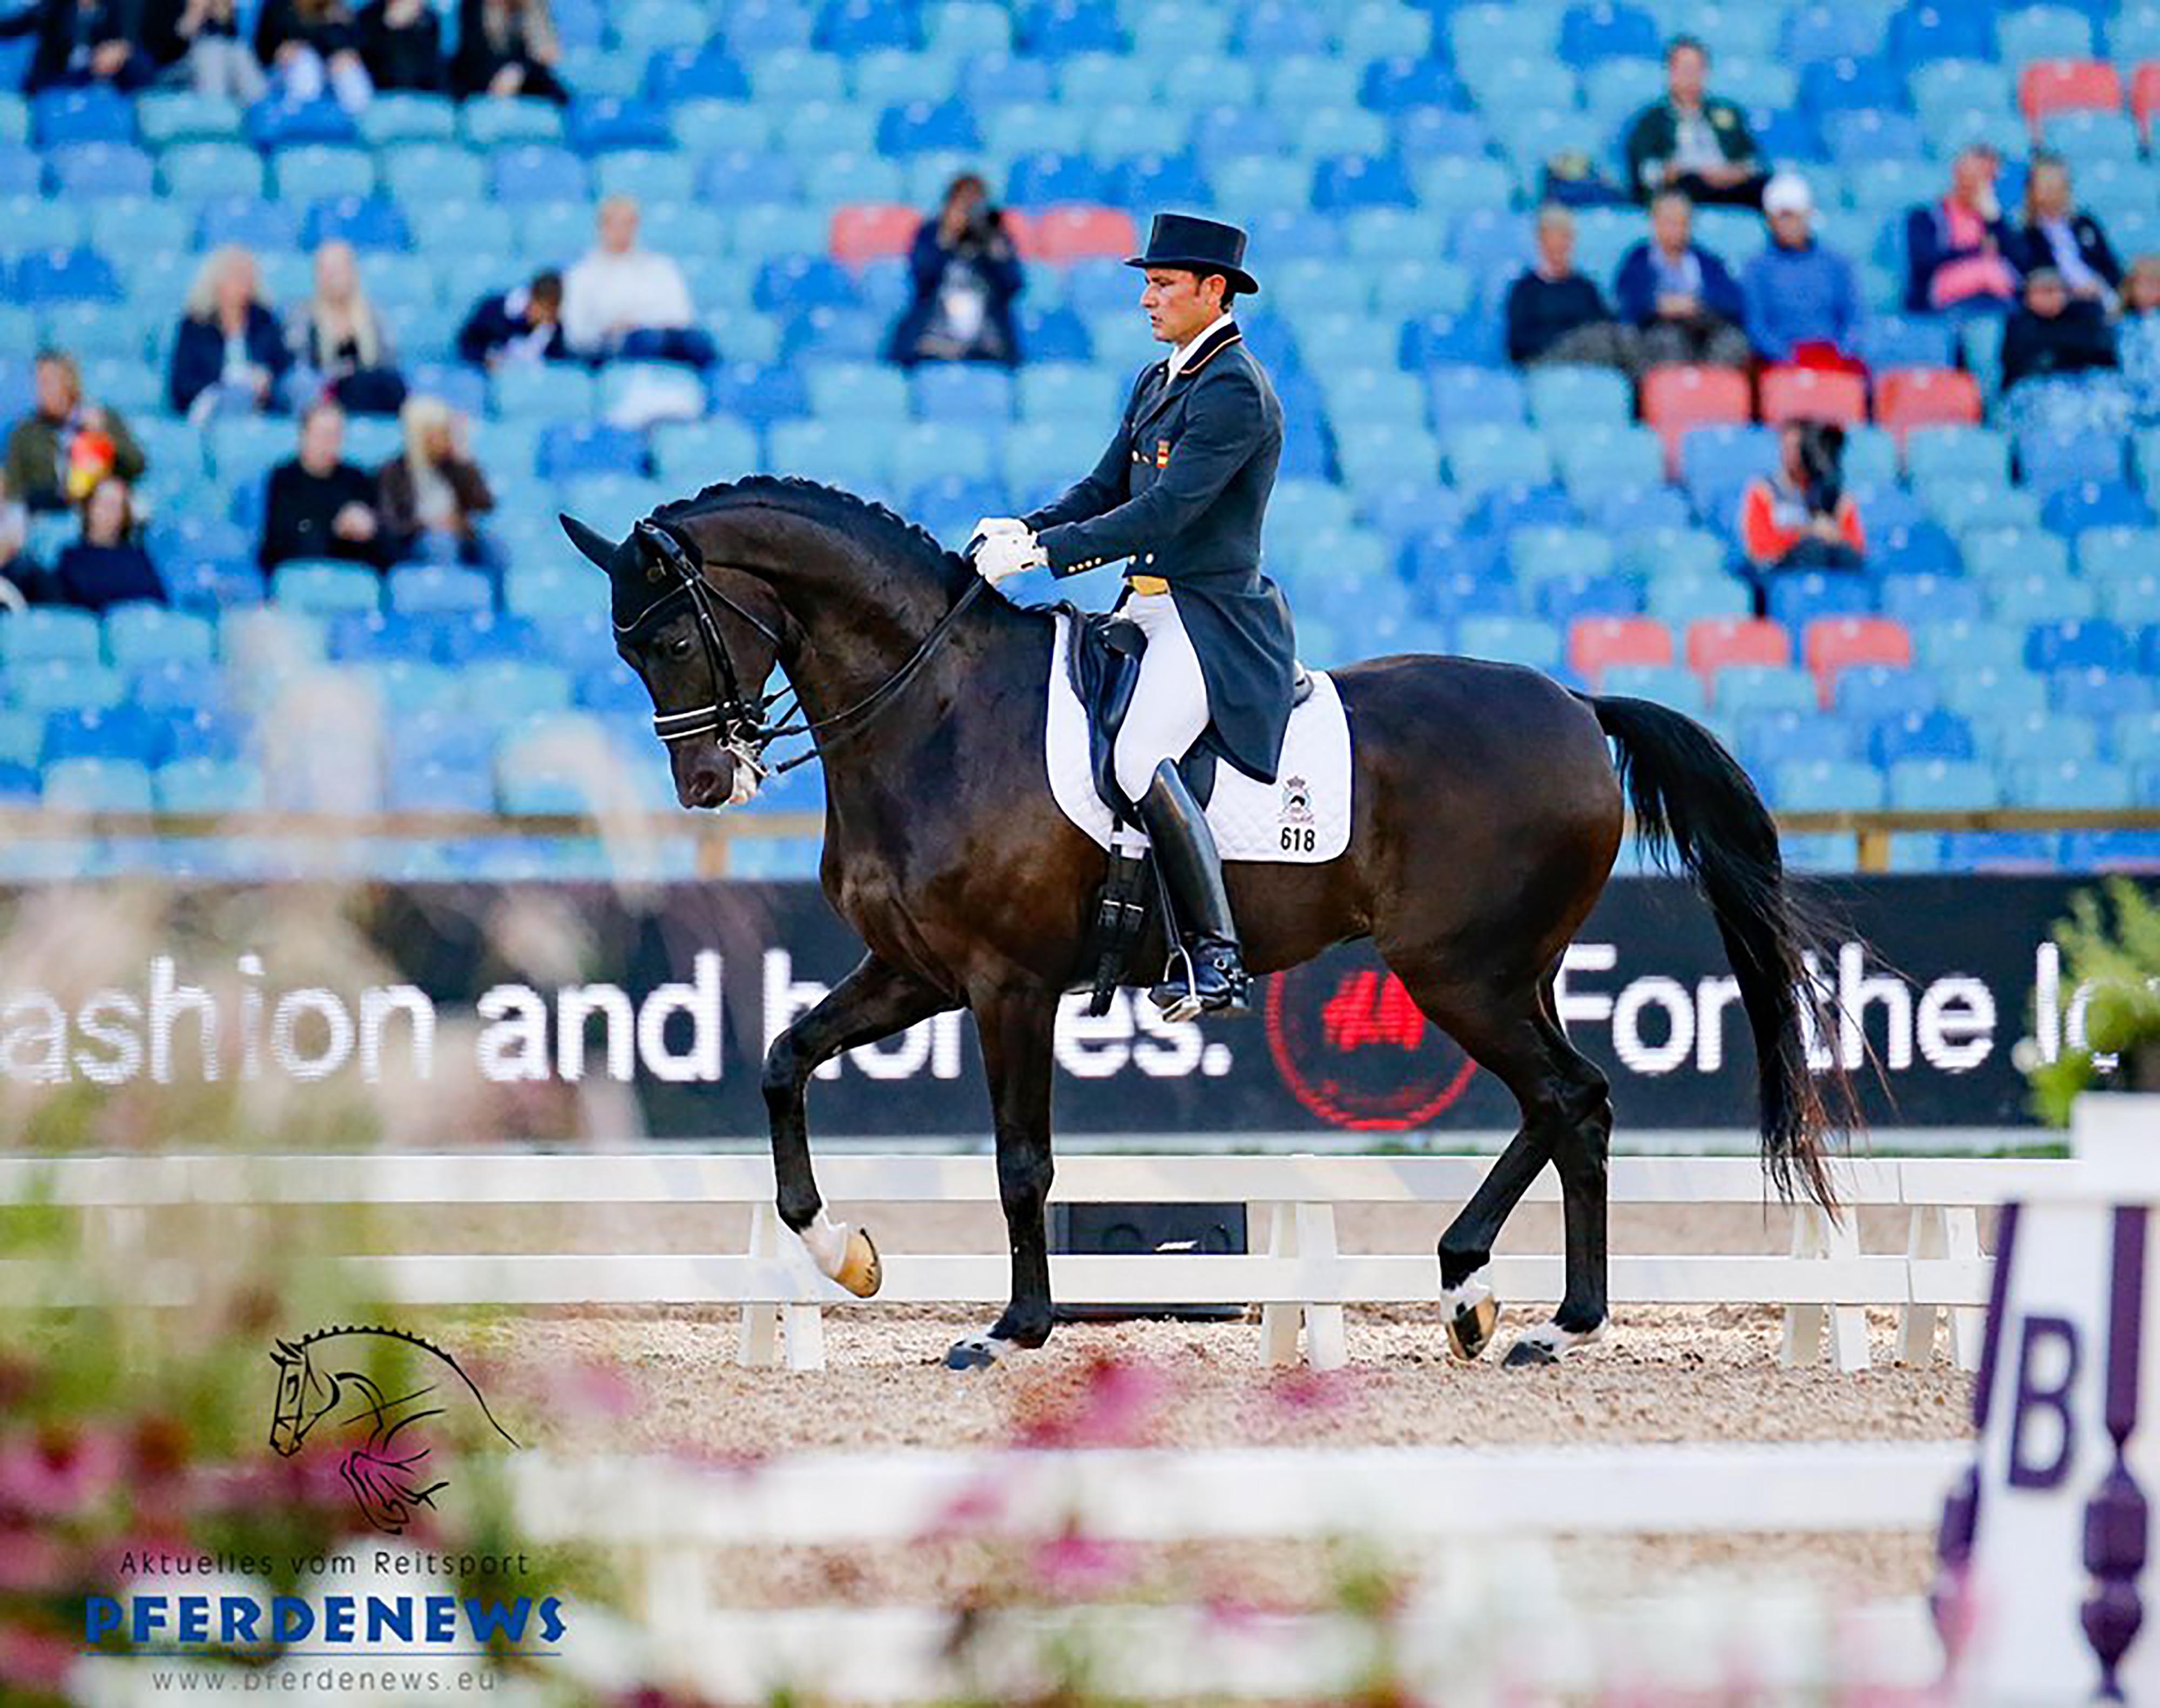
[(36, 1659), (1115, 1408), (977, 1506), (31, 1562), (55, 1470), (601, 1385), (1074, 1565), (1301, 1390)]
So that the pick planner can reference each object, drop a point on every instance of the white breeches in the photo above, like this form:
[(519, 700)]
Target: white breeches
[(1170, 701)]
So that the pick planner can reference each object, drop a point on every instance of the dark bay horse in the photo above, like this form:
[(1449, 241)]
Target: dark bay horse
[(1488, 812)]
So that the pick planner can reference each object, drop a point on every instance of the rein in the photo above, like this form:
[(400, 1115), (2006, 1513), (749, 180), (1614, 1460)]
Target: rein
[(740, 721)]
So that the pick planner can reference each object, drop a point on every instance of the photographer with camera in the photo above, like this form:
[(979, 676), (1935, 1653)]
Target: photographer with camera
[(967, 274), (1801, 517)]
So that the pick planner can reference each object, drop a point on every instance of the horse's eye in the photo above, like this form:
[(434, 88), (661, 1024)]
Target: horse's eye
[(679, 647)]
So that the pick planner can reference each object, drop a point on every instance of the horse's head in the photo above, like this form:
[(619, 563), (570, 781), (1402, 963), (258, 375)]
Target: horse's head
[(303, 1397), (702, 638)]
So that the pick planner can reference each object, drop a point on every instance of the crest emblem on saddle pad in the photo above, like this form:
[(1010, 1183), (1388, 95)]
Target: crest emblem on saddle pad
[(1297, 802)]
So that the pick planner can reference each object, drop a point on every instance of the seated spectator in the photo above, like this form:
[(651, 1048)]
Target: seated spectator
[(402, 45), (2054, 333), (2137, 336), (1692, 141), (310, 45), (81, 43), (107, 565), (1803, 303), (19, 572), (621, 301), (218, 62), (1679, 295), (966, 275), (338, 342), (2055, 233), (507, 48), (524, 324), (318, 505), (1801, 517), (435, 493), (230, 355), (1955, 248), (1554, 314), (67, 443)]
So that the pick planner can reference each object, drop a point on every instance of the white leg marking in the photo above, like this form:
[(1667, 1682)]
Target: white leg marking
[(1548, 1343), (828, 1241)]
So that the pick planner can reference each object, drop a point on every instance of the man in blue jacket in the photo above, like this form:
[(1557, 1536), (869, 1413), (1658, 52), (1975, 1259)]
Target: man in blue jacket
[(1182, 491), (1802, 301), (1679, 296)]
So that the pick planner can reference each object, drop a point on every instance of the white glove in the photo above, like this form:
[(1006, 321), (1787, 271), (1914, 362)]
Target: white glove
[(1002, 554), (986, 525)]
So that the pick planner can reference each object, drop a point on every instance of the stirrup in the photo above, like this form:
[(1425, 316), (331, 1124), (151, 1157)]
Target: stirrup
[(1185, 992)]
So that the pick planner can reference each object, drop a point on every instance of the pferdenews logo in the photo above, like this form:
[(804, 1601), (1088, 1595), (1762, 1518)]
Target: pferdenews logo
[(378, 1400)]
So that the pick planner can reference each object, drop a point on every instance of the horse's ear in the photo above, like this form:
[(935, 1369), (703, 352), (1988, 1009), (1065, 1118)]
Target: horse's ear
[(595, 545)]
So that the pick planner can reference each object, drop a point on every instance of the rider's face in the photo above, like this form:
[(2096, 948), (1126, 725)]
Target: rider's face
[(1179, 303)]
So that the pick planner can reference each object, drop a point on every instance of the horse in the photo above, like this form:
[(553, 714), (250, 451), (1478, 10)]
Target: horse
[(1488, 809)]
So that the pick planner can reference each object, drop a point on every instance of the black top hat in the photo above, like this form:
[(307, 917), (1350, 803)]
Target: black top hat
[(1203, 245)]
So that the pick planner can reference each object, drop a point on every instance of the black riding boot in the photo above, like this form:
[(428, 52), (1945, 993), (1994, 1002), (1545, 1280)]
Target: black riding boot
[(1206, 976)]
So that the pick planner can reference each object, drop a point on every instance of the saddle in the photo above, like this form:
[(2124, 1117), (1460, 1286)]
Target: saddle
[(1103, 664)]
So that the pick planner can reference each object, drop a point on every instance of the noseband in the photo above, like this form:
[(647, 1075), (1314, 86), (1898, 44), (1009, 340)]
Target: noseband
[(736, 718)]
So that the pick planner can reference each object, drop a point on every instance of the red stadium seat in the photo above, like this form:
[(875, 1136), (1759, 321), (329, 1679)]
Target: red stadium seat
[(2067, 85), (1077, 233), (872, 231), (1909, 398), (1813, 394), (1832, 644), (1596, 642), (1677, 397), (2145, 94), (1713, 642)]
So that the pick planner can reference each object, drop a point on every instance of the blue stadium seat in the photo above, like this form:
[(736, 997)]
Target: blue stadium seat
[(1827, 785), (1868, 693), (1918, 734), (2100, 693), (2069, 785), (2083, 645), (89, 784)]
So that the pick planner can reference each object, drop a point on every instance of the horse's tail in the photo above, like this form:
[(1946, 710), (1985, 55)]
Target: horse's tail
[(1689, 796)]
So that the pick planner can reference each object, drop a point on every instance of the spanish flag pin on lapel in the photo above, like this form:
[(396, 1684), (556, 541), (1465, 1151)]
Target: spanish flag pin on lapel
[(1162, 454)]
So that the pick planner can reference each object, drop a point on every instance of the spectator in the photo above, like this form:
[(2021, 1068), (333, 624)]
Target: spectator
[(1554, 314), (318, 505), (1691, 141), (966, 275), (311, 45), (524, 324), (2056, 234), (1954, 249), (1678, 295), (507, 48), (81, 43), (66, 444), (435, 492), (2054, 333), (338, 341), (106, 566), (2138, 336), (1801, 517), (1803, 305), (230, 355), (218, 62), (18, 571), (402, 45), (620, 300)]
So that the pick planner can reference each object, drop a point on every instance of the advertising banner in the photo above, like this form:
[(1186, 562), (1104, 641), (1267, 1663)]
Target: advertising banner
[(673, 992)]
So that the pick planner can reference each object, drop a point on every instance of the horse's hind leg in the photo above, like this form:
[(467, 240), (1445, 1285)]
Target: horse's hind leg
[(873, 1001), (1515, 1035)]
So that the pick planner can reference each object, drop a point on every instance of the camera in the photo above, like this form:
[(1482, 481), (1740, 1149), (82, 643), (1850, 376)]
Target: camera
[(1822, 460), (984, 223)]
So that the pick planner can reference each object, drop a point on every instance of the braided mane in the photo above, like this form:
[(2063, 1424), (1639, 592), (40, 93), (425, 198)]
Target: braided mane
[(894, 534)]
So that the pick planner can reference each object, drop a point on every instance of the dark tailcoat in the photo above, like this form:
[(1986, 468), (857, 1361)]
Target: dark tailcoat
[(1183, 490)]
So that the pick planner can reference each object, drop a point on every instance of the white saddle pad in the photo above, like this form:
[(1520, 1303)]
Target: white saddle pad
[(1303, 817)]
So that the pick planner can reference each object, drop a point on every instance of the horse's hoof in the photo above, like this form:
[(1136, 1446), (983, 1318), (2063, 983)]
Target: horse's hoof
[(977, 1351), (1549, 1343), (860, 1271), (1470, 1328)]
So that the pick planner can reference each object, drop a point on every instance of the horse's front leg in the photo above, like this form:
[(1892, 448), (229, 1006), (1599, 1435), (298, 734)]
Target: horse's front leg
[(873, 1001), (1016, 1024)]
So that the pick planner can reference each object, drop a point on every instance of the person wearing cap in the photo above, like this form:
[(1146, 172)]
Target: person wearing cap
[(1802, 301), (1956, 250), (1182, 491), (1692, 141)]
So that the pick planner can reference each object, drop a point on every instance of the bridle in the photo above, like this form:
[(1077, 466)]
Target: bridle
[(738, 719)]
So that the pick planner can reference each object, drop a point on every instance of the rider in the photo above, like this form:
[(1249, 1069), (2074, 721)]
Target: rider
[(1181, 492)]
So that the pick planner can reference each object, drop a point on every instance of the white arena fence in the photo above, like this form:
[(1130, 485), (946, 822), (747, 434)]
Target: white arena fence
[(1488, 1606), (1298, 1275)]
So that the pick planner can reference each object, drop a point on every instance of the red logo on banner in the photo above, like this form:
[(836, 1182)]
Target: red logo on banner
[(1357, 1051)]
